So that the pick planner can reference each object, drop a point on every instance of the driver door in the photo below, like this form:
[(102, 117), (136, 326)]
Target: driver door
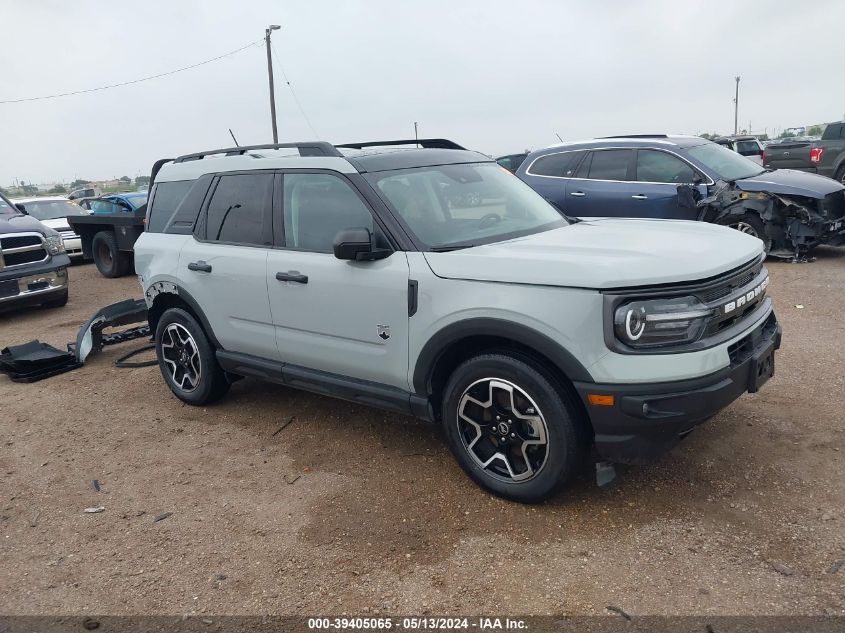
[(655, 187)]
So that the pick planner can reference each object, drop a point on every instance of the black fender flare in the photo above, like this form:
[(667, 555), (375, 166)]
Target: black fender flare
[(434, 349)]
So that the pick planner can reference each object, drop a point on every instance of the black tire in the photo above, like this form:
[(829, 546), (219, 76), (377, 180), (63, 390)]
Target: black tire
[(840, 174), (199, 380), (751, 224), (554, 464), (110, 260), (59, 302)]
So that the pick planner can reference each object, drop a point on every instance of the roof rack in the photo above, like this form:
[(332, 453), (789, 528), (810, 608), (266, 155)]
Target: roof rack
[(637, 136), (427, 143), (311, 148)]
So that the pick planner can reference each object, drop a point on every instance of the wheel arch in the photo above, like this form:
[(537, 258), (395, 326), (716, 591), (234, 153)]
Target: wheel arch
[(459, 341), (168, 295)]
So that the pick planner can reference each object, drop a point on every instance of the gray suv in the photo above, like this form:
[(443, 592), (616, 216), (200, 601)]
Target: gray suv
[(432, 282)]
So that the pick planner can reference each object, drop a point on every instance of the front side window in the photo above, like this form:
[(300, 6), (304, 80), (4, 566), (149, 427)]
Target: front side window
[(560, 165), (656, 166), (317, 208), (455, 206), (610, 164), (240, 210), (725, 164)]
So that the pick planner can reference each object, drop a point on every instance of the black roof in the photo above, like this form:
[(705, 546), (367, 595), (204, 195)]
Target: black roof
[(388, 159)]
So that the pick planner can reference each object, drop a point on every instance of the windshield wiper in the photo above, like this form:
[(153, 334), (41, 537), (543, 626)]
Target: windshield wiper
[(450, 247), (560, 210)]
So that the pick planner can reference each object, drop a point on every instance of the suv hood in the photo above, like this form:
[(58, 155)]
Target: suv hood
[(790, 182), (23, 224), (605, 253)]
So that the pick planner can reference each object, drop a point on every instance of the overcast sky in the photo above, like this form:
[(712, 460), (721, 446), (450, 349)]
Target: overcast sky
[(496, 76)]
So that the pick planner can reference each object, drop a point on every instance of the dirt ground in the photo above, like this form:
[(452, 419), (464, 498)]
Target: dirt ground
[(352, 510)]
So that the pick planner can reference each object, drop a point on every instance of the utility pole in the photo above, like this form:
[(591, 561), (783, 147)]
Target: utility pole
[(736, 106), (267, 31), (416, 134)]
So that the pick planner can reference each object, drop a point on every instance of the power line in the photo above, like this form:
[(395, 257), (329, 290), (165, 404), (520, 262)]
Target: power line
[(135, 81), (293, 93)]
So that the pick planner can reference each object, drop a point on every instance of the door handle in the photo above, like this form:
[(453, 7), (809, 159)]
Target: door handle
[(578, 194), (293, 275), (200, 267), (640, 196)]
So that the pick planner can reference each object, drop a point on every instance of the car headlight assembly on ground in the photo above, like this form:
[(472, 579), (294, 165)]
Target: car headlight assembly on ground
[(55, 244), (660, 322)]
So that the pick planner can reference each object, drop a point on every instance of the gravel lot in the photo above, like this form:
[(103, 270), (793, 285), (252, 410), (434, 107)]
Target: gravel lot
[(351, 510)]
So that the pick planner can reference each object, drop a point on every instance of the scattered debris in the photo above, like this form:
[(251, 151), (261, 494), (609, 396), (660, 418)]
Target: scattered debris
[(799, 306), (289, 479), (96, 485), (90, 624), (618, 611), (836, 566), (220, 576), (279, 430), (94, 510), (34, 521), (162, 517), (784, 570)]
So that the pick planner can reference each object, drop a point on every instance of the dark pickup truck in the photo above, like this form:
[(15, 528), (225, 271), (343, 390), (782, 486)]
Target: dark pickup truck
[(825, 156)]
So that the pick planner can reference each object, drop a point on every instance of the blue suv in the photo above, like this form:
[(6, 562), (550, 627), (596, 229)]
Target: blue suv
[(689, 178)]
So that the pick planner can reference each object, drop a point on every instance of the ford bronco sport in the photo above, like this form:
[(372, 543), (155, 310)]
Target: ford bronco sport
[(362, 272)]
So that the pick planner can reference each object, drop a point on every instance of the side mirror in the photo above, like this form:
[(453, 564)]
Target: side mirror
[(21, 208), (357, 245)]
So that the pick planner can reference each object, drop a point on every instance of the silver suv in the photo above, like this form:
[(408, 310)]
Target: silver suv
[(432, 282)]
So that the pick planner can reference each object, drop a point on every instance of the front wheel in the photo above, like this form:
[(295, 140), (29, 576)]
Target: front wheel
[(511, 428), (840, 174), (750, 224), (186, 359)]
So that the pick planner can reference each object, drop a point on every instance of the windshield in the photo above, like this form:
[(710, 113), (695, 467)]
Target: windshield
[(136, 200), (465, 205), (724, 163), (51, 209)]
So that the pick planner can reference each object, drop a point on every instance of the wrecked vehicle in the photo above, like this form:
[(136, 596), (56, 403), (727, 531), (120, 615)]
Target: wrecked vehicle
[(689, 178)]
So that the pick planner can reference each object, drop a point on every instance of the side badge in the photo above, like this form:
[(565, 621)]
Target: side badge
[(383, 332)]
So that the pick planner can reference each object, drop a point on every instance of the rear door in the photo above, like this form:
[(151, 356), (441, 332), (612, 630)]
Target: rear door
[(224, 266), (602, 185), (348, 318), (657, 177)]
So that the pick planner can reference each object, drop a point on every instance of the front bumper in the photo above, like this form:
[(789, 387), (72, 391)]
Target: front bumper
[(33, 288), (645, 421)]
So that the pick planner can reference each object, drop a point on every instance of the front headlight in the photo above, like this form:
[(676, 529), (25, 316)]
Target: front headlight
[(55, 244), (658, 322)]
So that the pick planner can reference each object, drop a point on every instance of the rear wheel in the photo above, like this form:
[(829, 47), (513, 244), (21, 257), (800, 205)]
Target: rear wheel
[(750, 224), (840, 174), (186, 359), (511, 428), (110, 260)]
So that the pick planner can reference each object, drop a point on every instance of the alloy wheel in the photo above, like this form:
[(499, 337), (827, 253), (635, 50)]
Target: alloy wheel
[(744, 227), (503, 430), (181, 357)]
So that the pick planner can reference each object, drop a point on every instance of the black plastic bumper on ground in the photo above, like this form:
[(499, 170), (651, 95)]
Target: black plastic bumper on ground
[(645, 421)]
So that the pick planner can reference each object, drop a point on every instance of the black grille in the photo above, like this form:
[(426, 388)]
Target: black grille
[(26, 257), (741, 350), (18, 241), (725, 287)]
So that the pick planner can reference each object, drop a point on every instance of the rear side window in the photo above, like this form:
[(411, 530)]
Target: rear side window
[(654, 166), (610, 164), (165, 200), (241, 210), (560, 165)]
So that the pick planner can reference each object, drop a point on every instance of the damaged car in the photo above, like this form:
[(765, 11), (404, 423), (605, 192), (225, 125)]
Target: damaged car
[(690, 178)]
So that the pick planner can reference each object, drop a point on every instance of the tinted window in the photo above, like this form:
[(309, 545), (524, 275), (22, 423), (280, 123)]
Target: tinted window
[(240, 210), (103, 206), (748, 148), (317, 208), (654, 166), (168, 196), (610, 164), (560, 165), (505, 161)]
